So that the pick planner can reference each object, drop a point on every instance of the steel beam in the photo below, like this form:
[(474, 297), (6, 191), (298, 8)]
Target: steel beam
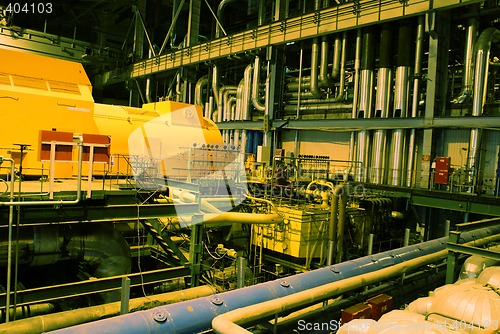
[(355, 124), (345, 16)]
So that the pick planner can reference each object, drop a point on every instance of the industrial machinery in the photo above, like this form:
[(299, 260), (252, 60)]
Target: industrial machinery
[(278, 166)]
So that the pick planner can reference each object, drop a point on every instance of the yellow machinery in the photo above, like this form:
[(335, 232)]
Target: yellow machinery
[(45, 102)]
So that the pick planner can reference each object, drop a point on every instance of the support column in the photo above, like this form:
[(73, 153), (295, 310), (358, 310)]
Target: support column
[(196, 249)]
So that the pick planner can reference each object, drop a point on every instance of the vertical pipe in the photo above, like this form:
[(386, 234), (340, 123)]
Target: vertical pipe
[(482, 50), (357, 63), (365, 102), (401, 94), (255, 86), (9, 245), (416, 98), (241, 264), (370, 244), (382, 103), (470, 40), (125, 295)]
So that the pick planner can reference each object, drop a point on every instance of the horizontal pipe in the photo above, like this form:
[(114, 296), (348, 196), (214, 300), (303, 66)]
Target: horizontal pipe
[(54, 321), (229, 322), (196, 315)]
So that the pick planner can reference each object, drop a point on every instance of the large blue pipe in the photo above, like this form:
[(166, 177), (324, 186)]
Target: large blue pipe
[(196, 315)]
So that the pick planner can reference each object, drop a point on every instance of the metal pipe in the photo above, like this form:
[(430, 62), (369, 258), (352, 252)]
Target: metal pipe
[(220, 10), (341, 227), (357, 63), (241, 264), (401, 94), (54, 321), (231, 321), (215, 85), (382, 103), (365, 102), (314, 83), (324, 78), (481, 62), (470, 41), (173, 318), (255, 86), (336, 69), (416, 98), (336, 194), (223, 97), (9, 246), (198, 90)]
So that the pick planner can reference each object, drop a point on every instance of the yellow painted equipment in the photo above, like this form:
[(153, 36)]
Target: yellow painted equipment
[(44, 94)]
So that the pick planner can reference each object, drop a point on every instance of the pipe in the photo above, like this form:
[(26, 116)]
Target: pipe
[(198, 90), (201, 311), (324, 79), (33, 310), (314, 83), (337, 192), (416, 97), (357, 63), (482, 51), (229, 218), (220, 10), (382, 103), (255, 86), (470, 41), (215, 85), (9, 246), (365, 102), (51, 322), (401, 94), (229, 323), (341, 227), (223, 99)]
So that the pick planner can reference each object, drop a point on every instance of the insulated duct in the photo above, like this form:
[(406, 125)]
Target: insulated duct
[(382, 103), (198, 90), (401, 94), (365, 102), (196, 315), (482, 51)]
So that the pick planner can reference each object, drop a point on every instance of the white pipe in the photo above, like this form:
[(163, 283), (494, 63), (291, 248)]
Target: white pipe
[(255, 86)]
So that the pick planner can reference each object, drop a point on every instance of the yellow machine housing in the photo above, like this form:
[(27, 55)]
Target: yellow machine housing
[(43, 99)]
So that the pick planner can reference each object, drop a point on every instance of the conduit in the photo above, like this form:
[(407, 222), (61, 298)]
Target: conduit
[(198, 90), (382, 103), (51, 322), (482, 51), (229, 323), (196, 315)]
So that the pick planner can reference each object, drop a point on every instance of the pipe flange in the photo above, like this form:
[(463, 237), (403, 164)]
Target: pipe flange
[(159, 316), (216, 300), (334, 270), (284, 284)]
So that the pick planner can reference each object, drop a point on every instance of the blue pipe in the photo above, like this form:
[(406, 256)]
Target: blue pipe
[(196, 315)]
